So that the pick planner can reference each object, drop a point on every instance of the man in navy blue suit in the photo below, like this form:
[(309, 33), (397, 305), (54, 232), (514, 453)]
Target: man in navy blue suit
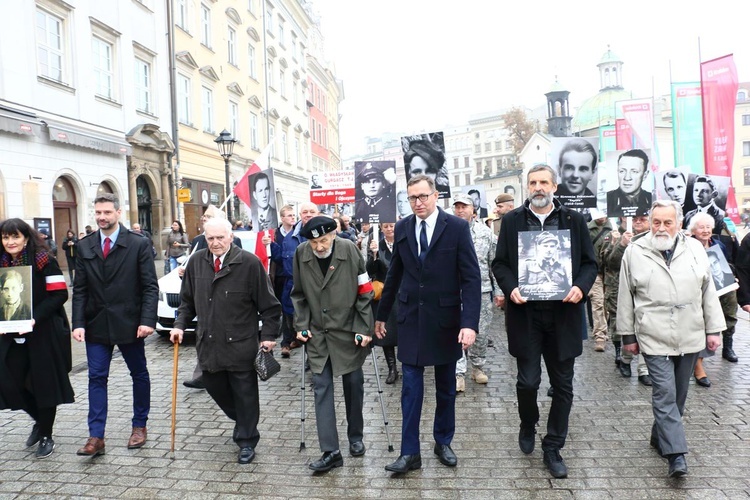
[(545, 329), (435, 276)]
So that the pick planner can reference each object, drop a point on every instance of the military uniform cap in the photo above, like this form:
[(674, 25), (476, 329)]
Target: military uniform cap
[(502, 198), (546, 236), (317, 227), (370, 171), (463, 198)]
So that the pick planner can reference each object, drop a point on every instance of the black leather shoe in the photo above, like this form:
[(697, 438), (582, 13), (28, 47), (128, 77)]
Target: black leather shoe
[(329, 460), (555, 464), (654, 442), (405, 463), (625, 369), (550, 392), (357, 448), (46, 447), (195, 383), (246, 455), (526, 439), (445, 455), (703, 382), (645, 380), (677, 465), (33, 437)]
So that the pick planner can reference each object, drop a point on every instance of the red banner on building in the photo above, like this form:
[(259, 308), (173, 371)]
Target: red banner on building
[(719, 86)]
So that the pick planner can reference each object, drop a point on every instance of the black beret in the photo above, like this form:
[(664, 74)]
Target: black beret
[(317, 227)]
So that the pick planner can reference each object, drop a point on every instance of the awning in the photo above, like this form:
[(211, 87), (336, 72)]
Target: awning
[(18, 122), (70, 134)]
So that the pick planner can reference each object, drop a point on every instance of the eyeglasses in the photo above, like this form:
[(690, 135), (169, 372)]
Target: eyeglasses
[(422, 197)]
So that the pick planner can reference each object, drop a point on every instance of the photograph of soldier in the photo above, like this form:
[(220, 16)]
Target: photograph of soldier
[(710, 196), (15, 294), (720, 271), (478, 198), (425, 154), (633, 193), (544, 264), (263, 208), (375, 191), (577, 160)]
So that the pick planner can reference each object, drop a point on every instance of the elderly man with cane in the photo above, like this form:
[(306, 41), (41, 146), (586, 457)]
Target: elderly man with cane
[(228, 289), (333, 317)]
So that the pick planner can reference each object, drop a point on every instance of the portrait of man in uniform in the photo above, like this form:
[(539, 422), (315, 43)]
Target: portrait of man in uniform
[(544, 266)]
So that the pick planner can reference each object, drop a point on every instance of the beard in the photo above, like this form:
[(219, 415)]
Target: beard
[(663, 241), (324, 254), (540, 201)]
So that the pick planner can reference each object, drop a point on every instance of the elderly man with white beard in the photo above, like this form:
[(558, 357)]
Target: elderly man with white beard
[(668, 310)]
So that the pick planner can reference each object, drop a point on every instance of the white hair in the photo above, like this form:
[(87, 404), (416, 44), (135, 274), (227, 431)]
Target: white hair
[(218, 223), (664, 204), (699, 218)]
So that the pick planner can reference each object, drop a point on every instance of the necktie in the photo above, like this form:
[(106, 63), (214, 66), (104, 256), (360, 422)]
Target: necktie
[(217, 265), (107, 246), (423, 242)]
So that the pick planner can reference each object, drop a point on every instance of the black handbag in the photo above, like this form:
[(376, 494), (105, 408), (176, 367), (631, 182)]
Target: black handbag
[(266, 365)]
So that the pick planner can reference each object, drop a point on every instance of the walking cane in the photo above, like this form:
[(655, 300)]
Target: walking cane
[(174, 396), (302, 387), (380, 393)]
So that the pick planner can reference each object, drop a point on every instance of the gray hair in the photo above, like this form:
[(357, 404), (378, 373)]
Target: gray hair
[(541, 167), (701, 217), (218, 223), (665, 204), (108, 198), (419, 178)]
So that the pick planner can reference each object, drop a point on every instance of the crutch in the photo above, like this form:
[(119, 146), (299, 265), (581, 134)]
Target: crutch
[(174, 396), (302, 387), (380, 393)]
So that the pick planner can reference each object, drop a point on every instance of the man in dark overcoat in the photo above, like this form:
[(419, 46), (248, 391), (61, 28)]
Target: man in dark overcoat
[(115, 296), (228, 289), (549, 329), (331, 297), (435, 277)]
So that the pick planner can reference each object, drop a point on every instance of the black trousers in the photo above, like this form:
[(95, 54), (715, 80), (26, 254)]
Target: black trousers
[(544, 345), (236, 393), (18, 363)]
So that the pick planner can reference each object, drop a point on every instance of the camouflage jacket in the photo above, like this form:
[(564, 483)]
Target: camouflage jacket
[(485, 244)]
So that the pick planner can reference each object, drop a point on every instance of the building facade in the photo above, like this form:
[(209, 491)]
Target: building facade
[(84, 109)]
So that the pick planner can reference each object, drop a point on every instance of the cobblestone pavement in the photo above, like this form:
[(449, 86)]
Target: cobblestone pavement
[(607, 452)]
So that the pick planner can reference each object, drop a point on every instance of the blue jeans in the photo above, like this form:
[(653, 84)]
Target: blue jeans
[(173, 264), (99, 357)]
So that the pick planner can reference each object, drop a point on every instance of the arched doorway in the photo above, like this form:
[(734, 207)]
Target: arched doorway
[(105, 187), (144, 204), (65, 209)]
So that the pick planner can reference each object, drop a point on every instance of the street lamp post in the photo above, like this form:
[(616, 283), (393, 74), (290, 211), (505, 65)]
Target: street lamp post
[(225, 143)]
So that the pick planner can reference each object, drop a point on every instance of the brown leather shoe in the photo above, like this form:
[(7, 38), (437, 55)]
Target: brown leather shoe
[(93, 447), (137, 438)]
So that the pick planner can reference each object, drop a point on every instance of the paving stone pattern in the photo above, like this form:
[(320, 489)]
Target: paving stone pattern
[(607, 452)]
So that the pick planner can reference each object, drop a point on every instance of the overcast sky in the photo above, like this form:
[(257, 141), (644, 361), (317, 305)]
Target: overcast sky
[(409, 65)]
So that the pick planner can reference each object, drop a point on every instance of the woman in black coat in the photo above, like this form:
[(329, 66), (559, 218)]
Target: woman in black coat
[(69, 247), (34, 365), (378, 260)]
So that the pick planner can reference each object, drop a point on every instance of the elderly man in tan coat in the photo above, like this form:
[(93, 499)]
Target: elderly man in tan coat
[(332, 315), (667, 309)]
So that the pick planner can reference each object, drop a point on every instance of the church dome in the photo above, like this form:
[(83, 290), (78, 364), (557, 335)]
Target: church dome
[(598, 110)]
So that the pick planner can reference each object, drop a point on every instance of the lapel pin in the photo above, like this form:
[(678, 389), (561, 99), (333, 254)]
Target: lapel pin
[(331, 268)]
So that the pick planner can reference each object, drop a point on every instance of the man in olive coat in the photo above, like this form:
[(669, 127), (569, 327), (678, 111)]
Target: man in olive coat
[(227, 288), (331, 296), (115, 296)]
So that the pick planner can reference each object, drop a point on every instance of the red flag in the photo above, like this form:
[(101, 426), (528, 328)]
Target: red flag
[(242, 189), (719, 84)]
